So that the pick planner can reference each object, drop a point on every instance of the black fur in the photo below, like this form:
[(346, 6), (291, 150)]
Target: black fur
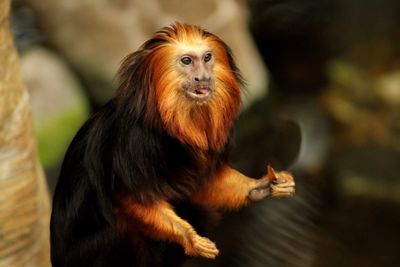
[(120, 151), (114, 154)]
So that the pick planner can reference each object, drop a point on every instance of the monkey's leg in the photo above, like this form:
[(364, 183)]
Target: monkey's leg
[(231, 189), (161, 222)]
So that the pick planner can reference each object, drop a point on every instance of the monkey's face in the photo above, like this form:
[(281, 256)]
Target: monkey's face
[(195, 65), (193, 85)]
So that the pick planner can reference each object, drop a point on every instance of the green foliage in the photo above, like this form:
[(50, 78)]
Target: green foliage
[(54, 134)]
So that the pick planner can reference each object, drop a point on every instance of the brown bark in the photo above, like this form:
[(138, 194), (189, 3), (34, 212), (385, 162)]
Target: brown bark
[(24, 198)]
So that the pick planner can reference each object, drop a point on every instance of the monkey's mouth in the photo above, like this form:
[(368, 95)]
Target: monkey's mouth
[(200, 93)]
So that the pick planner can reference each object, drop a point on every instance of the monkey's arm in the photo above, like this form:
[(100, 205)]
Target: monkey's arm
[(230, 189), (161, 222)]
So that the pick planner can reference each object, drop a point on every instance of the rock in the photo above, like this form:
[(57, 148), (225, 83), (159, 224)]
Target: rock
[(101, 33), (58, 104)]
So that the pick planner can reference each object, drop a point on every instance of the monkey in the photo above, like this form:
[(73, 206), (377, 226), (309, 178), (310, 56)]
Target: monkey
[(143, 172)]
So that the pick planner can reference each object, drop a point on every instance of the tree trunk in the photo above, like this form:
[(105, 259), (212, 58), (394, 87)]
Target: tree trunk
[(24, 198)]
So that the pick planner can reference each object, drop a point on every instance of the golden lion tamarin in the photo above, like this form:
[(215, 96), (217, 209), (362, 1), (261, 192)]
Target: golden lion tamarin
[(146, 167)]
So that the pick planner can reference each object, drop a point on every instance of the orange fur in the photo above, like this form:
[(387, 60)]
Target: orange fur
[(162, 223), (229, 190), (148, 169), (159, 219), (205, 126)]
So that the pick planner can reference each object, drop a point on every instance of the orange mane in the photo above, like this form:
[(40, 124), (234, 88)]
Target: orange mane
[(203, 126)]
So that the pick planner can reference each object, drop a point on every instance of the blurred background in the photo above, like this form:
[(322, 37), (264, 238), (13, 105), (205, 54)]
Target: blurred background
[(322, 99)]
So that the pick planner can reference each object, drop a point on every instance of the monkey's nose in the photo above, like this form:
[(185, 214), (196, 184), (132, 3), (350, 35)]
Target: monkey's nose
[(202, 79)]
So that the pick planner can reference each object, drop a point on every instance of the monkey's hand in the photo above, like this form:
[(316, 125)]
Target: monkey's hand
[(275, 184), (198, 246)]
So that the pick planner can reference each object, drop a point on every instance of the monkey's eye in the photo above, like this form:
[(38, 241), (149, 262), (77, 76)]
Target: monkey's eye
[(207, 57), (186, 60)]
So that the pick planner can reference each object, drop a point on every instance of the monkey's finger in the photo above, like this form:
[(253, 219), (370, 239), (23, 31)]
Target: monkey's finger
[(205, 248), (204, 242), (284, 184), (205, 253), (282, 191), (280, 188), (210, 256), (283, 176), (208, 253)]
